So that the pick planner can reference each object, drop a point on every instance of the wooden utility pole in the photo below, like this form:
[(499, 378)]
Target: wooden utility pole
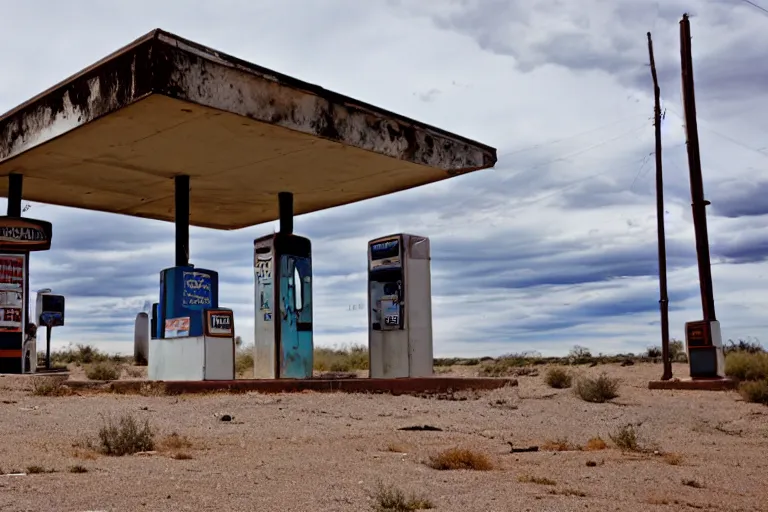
[(663, 298), (698, 203)]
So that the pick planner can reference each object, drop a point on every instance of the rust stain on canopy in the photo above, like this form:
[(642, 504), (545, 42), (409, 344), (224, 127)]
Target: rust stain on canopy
[(112, 137)]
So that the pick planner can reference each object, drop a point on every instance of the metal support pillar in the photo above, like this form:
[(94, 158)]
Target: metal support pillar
[(285, 202), (182, 220), (15, 182)]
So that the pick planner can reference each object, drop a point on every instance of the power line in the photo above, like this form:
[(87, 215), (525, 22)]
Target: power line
[(756, 6)]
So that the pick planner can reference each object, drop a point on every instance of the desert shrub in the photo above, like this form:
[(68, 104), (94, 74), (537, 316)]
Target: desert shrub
[(749, 345), (174, 441), (653, 352), (102, 371), (625, 438), (134, 371), (78, 469), (754, 391), (673, 459), (38, 470), (596, 443), (125, 437), (677, 351), (49, 386), (597, 390), (580, 355), (558, 445), (345, 359), (558, 378), (83, 354), (528, 479), (745, 365), (458, 458), (244, 360), (391, 499)]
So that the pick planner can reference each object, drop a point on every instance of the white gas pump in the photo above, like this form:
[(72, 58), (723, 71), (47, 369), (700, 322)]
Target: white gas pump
[(49, 312), (399, 307)]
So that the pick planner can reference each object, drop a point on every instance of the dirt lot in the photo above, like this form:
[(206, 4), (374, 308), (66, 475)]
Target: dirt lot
[(329, 452)]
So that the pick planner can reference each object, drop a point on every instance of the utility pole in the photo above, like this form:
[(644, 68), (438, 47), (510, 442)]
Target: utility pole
[(662, 244), (698, 203)]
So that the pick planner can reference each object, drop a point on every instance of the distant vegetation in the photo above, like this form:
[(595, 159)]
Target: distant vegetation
[(747, 362)]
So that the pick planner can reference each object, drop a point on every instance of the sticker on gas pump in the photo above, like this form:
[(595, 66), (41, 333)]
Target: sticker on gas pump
[(268, 317)]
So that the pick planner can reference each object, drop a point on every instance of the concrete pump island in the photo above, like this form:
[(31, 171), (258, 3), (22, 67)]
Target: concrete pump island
[(171, 130)]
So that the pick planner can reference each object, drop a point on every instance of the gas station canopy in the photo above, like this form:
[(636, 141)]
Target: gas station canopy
[(113, 137)]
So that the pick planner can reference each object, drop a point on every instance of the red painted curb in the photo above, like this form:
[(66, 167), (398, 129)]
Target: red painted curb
[(406, 386), (694, 384)]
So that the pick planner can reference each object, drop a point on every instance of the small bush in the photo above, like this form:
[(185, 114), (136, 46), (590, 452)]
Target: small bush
[(175, 442), (78, 469), (653, 352), (458, 458), (134, 372), (677, 351), (49, 386), (559, 445), (693, 483), (391, 499), (580, 355), (625, 439), (181, 456), (103, 371), (38, 470), (750, 346), (528, 479), (125, 437), (743, 365), (673, 459), (558, 378), (597, 390), (595, 444), (755, 391), (345, 359), (244, 360)]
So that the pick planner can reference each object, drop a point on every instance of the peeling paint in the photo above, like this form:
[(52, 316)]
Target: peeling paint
[(166, 64)]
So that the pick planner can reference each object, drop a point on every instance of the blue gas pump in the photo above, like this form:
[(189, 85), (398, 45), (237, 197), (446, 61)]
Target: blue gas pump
[(184, 293)]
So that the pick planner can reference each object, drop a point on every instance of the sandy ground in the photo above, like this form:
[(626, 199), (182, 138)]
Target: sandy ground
[(328, 452)]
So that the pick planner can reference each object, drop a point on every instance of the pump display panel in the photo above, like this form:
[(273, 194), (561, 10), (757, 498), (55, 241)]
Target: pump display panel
[(386, 284)]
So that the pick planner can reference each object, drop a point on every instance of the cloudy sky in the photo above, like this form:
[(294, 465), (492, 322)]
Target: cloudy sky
[(556, 246)]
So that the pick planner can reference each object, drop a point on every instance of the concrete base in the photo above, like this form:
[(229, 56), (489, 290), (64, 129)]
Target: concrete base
[(407, 386), (688, 384)]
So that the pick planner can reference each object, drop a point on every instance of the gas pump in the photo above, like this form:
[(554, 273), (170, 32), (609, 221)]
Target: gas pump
[(399, 307), (184, 293), (18, 237), (282, 264), (704, 343)]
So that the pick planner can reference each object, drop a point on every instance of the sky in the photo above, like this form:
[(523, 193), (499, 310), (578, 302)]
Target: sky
[(554, 247)]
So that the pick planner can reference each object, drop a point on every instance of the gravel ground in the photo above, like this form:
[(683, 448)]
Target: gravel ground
[(328, 452)]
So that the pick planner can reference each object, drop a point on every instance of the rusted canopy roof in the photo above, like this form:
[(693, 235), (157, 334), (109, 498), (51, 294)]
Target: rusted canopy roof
[(112, 137)]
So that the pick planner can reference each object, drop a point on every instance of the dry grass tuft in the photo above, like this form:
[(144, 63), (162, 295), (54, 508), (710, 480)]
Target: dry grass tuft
[(244, 359), (625, 438), (754, 391), (38, 470), (344, 359), (596, 443), (174, 441), (558, 378), (673, 459), (459, 458), (125, 437), (568, 492), (597, 390), (559, 445), (399, 448), (693, 483), (528, 479), (104, 370), (391, 499), (742, 365), (134, 371), (49, 386), (78, 469), (181, 456)]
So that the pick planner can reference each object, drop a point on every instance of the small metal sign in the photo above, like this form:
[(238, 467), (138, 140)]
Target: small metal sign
[(220, 323)]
